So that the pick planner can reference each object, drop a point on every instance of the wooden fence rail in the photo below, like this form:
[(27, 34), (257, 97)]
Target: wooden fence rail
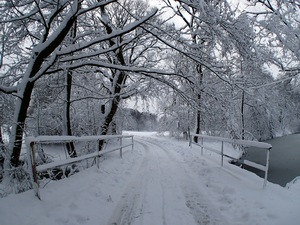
[(34, 169), (220, 151)]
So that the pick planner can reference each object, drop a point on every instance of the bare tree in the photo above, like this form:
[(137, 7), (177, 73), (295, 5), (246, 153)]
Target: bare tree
[(213, 35), (37, 30)]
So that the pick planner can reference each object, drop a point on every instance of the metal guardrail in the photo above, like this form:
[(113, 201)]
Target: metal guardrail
[(34, 169), (256, 144)]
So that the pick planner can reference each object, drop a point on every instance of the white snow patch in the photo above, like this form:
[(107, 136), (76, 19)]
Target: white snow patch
[(162, 181)]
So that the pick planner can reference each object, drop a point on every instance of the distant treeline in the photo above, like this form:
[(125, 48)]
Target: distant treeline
[(132, 119)]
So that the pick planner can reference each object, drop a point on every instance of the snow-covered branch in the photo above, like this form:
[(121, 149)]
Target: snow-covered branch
[(118, 32), (207, 65), (8, 90), (133, 69), (95, 6)]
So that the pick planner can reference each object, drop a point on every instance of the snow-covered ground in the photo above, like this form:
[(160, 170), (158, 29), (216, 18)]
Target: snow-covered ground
[(161, 182)]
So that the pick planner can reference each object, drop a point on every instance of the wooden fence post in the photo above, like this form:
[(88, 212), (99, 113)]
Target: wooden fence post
[(202, 146), (267, 167), (121, 154), (131, 143), (222, 153), (33, 170)]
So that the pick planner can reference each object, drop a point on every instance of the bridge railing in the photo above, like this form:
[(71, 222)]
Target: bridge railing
[(267, 147), (32, 142)]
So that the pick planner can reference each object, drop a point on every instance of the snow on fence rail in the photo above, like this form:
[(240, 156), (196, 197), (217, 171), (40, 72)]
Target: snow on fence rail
[(34, 169), (256, 144)]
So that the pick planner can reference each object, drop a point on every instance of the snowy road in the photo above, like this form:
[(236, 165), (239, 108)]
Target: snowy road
[(161, 182), (163, 192)]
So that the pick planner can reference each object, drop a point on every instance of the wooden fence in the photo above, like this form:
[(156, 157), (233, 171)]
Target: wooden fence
[(32, 142), (220, 151)]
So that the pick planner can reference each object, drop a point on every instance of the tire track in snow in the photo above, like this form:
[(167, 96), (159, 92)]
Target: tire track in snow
[(132, 208), (154, 190), (200, 207), (162, 192)]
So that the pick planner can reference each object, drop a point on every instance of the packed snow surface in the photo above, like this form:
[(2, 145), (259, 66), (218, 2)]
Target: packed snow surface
[(161, 182)]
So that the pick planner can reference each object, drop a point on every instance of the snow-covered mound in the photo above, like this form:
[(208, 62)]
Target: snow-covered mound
[(294, 184)]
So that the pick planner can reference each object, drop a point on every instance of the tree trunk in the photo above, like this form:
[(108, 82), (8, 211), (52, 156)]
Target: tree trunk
[(26, 86), (119, 78), (109, 115), (1, 138), (198, 113), (109, 118), (199, 70), (242, 115), (67, 123), (198, 118), (1, 155), (18, 128), (1, 148)]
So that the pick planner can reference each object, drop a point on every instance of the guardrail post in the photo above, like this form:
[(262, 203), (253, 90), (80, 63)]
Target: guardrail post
[(222, 151), (202, 146), (121, 147), (265, 146), (97, 161), (267, 167), (131, 143), (34, 177)]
